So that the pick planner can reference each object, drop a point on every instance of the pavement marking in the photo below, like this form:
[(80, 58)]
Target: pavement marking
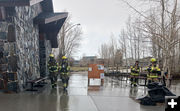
[(93, 101)]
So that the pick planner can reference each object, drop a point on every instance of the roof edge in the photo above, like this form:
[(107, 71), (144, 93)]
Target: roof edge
[(57, 17), (33, 2), (6, 3)]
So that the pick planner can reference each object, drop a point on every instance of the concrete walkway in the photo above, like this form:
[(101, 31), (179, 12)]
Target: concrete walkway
[(114, 95)]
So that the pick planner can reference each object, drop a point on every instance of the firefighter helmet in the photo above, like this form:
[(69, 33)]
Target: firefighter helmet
[(51, 55), (64, 57), (153, 60)]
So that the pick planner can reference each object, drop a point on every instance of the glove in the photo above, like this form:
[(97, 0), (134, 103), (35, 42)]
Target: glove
[(136, 72), (132, 71), (149, 69)]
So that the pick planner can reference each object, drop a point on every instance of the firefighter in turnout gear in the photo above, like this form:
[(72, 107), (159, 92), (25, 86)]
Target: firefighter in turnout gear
[(154, 71), (135, 74), (64, 71), (53, 70)]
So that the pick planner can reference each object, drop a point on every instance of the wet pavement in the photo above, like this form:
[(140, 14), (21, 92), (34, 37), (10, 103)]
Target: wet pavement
[(114, 95)]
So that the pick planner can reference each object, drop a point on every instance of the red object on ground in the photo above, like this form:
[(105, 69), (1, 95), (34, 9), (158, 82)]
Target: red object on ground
[(96, 71)]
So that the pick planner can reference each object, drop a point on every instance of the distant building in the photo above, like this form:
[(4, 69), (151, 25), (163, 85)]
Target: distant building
[(76, 63), (28, 32), (100, 61), (86, 60)]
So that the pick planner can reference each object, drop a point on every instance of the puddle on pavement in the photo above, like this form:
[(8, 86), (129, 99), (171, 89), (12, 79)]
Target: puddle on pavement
[(78, 92)]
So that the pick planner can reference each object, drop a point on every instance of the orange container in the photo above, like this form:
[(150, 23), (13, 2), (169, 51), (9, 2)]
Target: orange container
[(96, 71)]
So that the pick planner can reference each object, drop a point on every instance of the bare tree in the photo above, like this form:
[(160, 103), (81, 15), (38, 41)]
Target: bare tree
[(123, 45), (111, 54), (69, 38), (130, 37), (162, 28), (112, 50), (104, 54), (118, 58)]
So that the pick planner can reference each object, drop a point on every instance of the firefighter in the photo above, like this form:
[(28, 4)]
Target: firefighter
[(53, 70), (135, 73), (64, 71), (154, 71)]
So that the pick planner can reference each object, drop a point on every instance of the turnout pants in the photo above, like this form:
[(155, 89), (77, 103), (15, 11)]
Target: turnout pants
[(153, 78), (53, 78), (134, 79), (65, 80)]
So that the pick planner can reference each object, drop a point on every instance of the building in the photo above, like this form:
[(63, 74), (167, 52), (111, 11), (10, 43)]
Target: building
[(101, 61), (28, 32), (76, 63), (86, 60)]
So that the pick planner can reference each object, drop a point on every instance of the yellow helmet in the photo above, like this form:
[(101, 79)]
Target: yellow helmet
[(153, 59), (51, 55), (64, 57)]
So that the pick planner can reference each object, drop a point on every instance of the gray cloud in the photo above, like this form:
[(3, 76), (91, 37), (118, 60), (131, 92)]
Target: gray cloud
[(98, 19)]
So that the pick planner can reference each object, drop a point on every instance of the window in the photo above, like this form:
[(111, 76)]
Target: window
[(90, 69), (6, 13), (9, 12), (2, 13), (100, 67), (11, 34)]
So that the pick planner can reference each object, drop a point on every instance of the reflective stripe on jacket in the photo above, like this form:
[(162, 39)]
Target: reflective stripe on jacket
[(53, 68), (154, 72), (135, 71), (64, 70)]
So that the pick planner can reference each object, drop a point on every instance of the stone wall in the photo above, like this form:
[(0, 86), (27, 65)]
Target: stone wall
[(48, 51), (8, 58), (3, 30), (45, 50), (23, 45), (3, 44), (27, 41)]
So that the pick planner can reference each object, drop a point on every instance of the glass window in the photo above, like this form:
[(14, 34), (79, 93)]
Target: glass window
[(2, 13), (100, 67), (11, 34)]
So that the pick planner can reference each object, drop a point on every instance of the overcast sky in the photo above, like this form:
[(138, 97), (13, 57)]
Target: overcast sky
[(98, 19)]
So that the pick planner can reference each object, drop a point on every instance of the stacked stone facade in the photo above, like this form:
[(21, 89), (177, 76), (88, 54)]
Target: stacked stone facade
[(25, 39), (45, 50), (26, 44)]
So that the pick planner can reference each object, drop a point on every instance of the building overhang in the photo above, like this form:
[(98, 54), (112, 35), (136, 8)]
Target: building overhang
[(46, 18), (50, 24), (9, 3)]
